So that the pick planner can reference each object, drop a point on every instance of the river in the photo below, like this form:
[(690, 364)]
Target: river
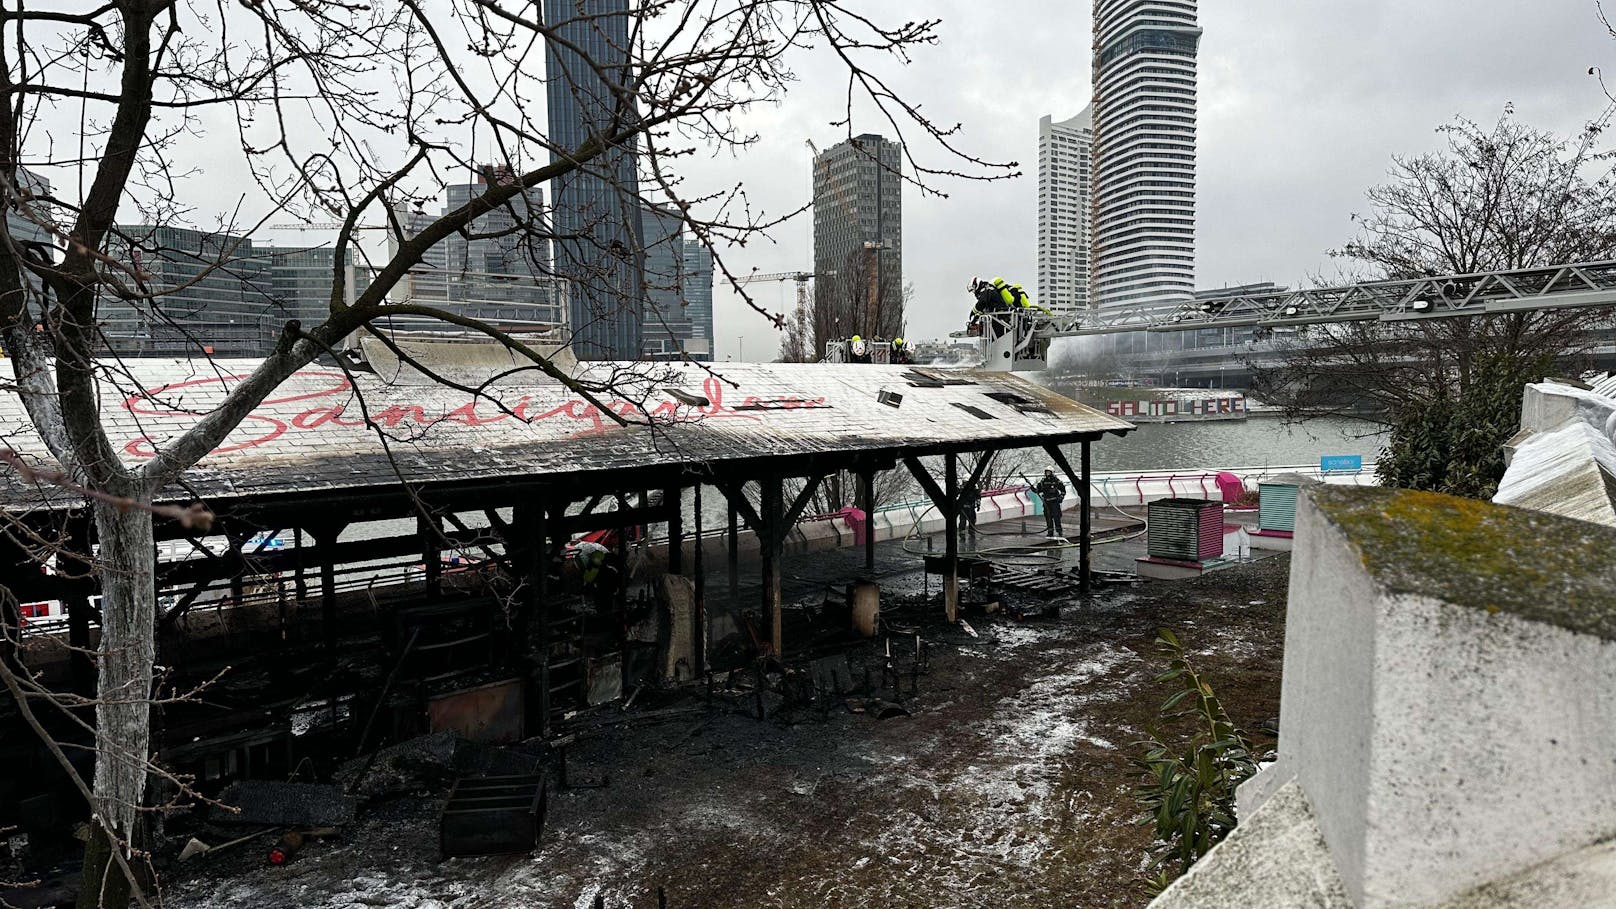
[(1258, 441)]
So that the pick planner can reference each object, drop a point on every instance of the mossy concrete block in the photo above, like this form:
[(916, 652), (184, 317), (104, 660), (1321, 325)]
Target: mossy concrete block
[(1446, 703), (1541, 567)]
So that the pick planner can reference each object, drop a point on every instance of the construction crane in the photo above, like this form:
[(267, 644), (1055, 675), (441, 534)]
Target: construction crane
[(326, 225), (801, 277)]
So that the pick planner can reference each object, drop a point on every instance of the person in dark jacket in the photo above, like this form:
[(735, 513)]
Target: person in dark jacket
[(1053, 492), (970, 501)]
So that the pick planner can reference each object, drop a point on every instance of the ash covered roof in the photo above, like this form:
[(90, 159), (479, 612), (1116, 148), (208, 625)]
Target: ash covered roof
[(311, 434)]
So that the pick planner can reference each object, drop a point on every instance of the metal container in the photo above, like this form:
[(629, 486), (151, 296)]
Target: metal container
[(493, 815), (1276, 505), (1185, 530)]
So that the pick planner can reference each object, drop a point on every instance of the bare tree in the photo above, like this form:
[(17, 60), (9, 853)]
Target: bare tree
[(860, 299), (355, 113), (797, 337), (1500, 197)]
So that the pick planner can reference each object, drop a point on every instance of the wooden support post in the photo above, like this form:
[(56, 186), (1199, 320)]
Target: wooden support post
[(673, 499), (1084, 532), (81, 663), (534, 550), (325, 541), (10, 633), (620, 596), (771, 536), (951, 528), (946, 498), (541, 611), (867, 490), (238, 566), (734, 554), (10, 626), (699, 633), (300, 586), (1081, 484), (429, 530)]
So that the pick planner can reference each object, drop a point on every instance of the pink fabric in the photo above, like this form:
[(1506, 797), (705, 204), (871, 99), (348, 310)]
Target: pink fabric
[(858, 520), (1231, 486)]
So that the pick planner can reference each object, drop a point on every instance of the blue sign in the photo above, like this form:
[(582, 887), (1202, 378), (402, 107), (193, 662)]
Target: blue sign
[(1333, 463)]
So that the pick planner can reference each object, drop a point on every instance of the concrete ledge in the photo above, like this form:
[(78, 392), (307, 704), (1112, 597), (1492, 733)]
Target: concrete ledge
[(1172, 570), (1272, 540), (1253, 793), (1276, 859)]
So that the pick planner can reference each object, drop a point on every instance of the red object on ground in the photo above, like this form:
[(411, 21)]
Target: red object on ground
[(282, 851), (1230, 486), (855, 519)]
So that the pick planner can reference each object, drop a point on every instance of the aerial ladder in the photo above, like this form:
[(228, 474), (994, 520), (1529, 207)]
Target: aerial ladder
[(1584, 285)]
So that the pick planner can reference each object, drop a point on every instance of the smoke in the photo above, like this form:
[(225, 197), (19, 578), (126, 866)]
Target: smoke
[(1077, 356)]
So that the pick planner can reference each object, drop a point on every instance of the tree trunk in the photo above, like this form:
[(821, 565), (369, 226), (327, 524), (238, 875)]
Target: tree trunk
[(123, 711)]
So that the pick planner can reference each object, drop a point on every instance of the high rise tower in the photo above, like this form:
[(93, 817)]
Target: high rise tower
[(858, 239), (678, 290), (1143, 211), (500, 274), (1063, 212), (596, 209)]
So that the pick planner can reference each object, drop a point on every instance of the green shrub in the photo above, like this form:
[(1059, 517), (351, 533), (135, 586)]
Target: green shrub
[(1187, 787)]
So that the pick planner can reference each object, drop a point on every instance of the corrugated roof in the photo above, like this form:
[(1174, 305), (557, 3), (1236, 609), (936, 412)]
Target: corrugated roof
[(310, 434)]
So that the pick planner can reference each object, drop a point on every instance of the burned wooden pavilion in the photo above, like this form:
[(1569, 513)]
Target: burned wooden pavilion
[(330, 582)]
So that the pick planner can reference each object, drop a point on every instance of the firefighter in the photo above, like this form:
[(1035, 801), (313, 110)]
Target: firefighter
[(984, 299), (1053, 493), (970, 501), (597, 567), (860, 352), (900, 351)]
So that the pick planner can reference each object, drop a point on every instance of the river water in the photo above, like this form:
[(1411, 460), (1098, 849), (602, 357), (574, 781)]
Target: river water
[(1254, 442)]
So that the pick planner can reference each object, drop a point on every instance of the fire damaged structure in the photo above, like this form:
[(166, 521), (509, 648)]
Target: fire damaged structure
[(392, 555)]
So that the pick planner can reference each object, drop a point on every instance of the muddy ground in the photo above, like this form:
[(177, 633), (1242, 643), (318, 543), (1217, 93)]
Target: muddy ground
[(1008, 786)]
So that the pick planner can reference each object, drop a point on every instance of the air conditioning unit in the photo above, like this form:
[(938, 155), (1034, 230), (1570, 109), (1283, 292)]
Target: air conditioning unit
[(1185, 530)]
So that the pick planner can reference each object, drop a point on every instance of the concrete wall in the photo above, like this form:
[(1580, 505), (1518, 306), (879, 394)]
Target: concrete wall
[(1327, 689), (1446, 732), (1494, 748)]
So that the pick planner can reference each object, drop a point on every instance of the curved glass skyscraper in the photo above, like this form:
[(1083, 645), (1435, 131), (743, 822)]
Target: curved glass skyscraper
[(1142, 213), (599, 245)]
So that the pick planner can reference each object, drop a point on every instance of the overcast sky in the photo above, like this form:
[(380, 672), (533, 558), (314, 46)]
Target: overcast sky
[(1302, 105)]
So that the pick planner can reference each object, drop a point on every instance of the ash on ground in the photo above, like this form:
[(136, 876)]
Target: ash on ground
[(1007, 784)]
